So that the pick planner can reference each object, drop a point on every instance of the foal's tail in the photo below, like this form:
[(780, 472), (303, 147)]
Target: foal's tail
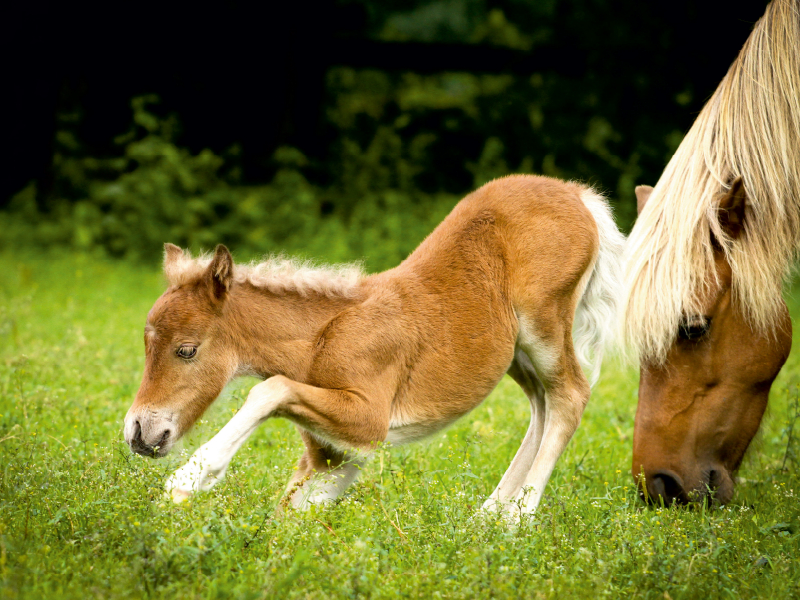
[(596, 316)]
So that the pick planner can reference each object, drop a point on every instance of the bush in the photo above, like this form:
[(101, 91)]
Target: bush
[(154, 192)]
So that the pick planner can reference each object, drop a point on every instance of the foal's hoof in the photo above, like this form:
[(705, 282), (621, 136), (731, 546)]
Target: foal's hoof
[(178, 496), (497, 510)]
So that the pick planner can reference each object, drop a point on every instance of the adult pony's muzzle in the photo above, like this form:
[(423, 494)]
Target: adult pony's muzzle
[(663, 486), (666, 487), (149, 433)]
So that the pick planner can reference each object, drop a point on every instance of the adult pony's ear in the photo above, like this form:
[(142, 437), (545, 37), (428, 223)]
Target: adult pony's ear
[(731, 209), (220, 273), (642, 194)]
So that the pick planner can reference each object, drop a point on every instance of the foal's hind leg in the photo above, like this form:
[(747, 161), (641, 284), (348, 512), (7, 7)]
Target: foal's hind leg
[(566, 394), (322, 475), (524, 373)]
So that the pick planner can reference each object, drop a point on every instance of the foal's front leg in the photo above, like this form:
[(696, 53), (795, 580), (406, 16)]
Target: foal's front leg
[(208, 464), (336, 415)]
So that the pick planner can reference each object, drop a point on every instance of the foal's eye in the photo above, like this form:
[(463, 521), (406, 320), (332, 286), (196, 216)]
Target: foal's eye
[(694, 329), (186, 351)]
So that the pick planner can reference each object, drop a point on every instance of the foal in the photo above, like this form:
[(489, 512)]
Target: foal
[(501, 286)]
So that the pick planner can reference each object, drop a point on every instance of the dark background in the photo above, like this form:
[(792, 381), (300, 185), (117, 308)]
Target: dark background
[(600, 91)]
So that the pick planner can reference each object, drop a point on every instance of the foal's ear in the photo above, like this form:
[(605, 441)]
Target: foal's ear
[(220, 272), (172, 254), (173, 258), (642, 194), (731, 209)]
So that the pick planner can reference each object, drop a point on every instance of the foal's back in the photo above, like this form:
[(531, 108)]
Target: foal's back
[(438, 332), (525, 230)]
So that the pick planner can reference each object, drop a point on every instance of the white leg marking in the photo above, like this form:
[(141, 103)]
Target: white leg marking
[(514, 477), (532, 358), (208, 464), (558, 430), (326, 487)]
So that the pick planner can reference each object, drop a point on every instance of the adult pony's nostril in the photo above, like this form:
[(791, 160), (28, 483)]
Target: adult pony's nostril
[(714, 481), (666, 487), (713, 476)]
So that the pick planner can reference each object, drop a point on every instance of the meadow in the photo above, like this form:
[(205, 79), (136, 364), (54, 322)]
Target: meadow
[(81, 516)]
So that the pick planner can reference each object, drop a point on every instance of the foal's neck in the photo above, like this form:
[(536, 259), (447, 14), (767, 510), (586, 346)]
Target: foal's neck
[(275, 334)]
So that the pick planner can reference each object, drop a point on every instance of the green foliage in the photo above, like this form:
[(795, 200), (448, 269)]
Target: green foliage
[(157, 192), (80, 515), (387, 153), (402, 149), (460, 130)]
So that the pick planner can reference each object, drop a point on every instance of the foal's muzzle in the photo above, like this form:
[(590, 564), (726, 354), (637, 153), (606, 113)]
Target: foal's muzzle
[(149, 434)]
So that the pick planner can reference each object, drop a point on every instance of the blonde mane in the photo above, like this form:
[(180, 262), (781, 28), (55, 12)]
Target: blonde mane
[(750, 128), (278, 274)]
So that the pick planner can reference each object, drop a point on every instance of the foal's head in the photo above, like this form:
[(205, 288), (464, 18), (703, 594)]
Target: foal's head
[(699, 410), (188, 356)]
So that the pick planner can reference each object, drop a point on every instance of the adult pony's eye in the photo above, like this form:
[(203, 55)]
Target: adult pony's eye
[(186, 351), (692, 330)]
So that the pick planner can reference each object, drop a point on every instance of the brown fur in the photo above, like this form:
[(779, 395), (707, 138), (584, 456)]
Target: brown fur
[(417, 346), (717, 240), (699, 410)]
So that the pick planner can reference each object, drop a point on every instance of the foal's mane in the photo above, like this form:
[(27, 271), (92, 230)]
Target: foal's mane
[(277, 274), (750, 128)]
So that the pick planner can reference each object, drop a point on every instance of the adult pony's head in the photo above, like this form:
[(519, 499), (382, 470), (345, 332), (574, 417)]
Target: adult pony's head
[(705, 266), (188, 358), (700, 406)]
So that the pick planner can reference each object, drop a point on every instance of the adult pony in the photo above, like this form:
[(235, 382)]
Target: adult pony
[(705, 266), (499, 287)]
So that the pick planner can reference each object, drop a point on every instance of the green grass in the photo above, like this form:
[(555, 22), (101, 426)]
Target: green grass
[(80, 516)]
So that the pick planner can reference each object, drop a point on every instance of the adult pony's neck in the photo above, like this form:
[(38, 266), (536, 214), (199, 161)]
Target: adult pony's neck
[(750, 128)]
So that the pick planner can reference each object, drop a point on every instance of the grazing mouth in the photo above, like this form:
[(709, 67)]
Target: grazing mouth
[(720, 487), (150, 452), (666, 487), (157, 450)]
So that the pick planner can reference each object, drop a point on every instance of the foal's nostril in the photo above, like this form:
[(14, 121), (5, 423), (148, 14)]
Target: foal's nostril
[(137, 432), (164, 438), (667, 487)]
